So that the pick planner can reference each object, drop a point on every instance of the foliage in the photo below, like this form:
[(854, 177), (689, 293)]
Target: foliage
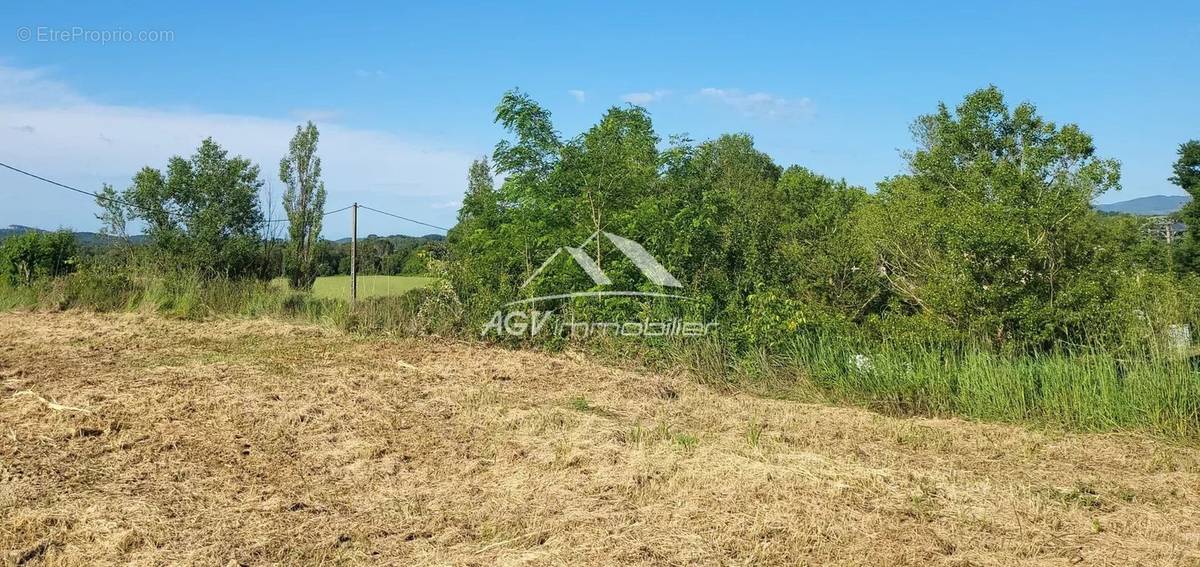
[(378, 255), (989, 237), (189, 294), (604, 170), (304, 202), (203, 214), (1186, 170), (32, 255), (992, 231), (112, 216), (1186, 175), (979, 281)]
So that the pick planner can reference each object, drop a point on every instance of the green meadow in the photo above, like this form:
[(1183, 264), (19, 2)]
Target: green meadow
[(369, 286), (338, 287)]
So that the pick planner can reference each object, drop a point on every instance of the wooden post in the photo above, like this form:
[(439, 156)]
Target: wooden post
[(353, 254)]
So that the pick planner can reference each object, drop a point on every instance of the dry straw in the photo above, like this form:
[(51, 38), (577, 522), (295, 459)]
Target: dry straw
[(251, 442)]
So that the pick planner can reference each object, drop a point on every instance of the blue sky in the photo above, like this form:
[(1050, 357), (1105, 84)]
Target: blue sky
[(404, 94)]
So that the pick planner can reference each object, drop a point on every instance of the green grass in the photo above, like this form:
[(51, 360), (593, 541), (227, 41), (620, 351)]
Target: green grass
[(1097, 391), (580, 403), (1156, 391), (425, 310), (338, 287), (686, 440)]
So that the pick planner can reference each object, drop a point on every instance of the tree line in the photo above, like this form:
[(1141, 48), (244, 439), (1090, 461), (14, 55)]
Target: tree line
[(203, 213), (987, 237)]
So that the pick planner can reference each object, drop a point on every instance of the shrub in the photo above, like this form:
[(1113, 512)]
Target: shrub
[(32, 255)]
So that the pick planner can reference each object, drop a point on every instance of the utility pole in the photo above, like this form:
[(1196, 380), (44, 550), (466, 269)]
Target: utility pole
[(353, 255)]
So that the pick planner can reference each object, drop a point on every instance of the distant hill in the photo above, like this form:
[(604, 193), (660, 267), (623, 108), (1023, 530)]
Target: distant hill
[(15, 229), (1149, 206), (83, 238), (395, 238)]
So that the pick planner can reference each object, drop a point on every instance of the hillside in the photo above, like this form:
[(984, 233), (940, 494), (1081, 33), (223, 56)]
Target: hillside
[(396, 239), (83, 238), (1151, 206)]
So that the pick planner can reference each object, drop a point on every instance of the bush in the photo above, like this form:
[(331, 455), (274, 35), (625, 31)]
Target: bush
[(101, 292), (33, 255)]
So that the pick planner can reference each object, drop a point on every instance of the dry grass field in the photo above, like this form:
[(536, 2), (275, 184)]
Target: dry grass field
[(134, 439)]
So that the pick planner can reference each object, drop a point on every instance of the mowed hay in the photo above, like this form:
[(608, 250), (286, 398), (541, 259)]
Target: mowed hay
[(132, 439)]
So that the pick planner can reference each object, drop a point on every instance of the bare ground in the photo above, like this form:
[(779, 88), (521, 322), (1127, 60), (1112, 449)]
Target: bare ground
[(133, 439)]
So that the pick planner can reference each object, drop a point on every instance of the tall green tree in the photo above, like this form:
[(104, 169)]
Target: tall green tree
[(112, 216), (992, 232), (537, 219), (1186, 171), (819, 258), (534, 151), (1186, 175), (304, 202), (606, 170), (484, 260), (480, 203), (203, 213), (718, 206)]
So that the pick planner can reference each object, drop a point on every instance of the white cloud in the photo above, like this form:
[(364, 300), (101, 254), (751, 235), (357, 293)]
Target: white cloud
[(579, 95), (56, 132), (760, 104), (447, 205), (644, 98), (34, 87)]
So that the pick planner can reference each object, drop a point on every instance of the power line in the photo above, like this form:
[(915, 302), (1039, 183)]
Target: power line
[(403, 218), (65, 186), (122, 201), (346, 208), (98, 196)]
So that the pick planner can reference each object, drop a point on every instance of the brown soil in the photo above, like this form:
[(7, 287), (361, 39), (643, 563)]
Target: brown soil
[(133, 439)]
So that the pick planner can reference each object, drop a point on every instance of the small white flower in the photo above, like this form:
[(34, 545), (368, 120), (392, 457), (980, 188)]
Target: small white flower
[(862, 363)]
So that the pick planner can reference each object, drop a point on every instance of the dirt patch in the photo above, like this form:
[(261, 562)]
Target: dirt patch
[(133, 439)]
